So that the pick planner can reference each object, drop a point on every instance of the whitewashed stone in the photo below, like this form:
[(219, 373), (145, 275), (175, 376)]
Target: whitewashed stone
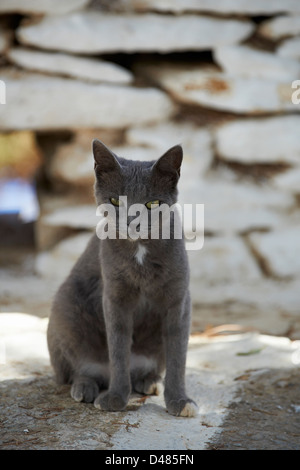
[(196, 144), (73, 66), (231, 207), (223, 259), (48, 7), (77, 217), (255, 7), (58, 262), (207, 86), (290, 48), (259, 304), (73, 165), (64, 207), (280, 27), (23, 347), (36, 101), (279, 249), (248, 62), (94, 32), (73, 161), (266, 140), (137, 153), (289, 180)]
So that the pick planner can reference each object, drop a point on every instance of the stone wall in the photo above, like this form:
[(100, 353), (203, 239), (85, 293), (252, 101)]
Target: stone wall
[(143, 75)]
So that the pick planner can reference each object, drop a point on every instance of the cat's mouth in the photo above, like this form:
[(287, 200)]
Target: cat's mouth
[(134, 233)]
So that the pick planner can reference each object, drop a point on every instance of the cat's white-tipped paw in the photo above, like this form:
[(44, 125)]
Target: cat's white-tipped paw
[(156, 388), (186, 408), (190, 410)]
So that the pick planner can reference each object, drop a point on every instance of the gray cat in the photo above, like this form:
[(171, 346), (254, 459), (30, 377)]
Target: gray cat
[(123, 315)]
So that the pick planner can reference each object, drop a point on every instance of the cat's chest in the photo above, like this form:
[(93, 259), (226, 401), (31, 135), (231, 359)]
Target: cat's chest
[(146, 269), (140, 254), (147, 261)]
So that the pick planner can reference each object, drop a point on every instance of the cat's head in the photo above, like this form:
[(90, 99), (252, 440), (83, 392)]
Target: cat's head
[(148, 184)]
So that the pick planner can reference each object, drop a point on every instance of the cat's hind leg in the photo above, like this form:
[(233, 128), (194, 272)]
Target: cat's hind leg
[(151, 384), (88, 381), (84, 389), (145, 376)]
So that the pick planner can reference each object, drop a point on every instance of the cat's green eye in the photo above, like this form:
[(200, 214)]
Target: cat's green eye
[(115, 201), (152, 204)]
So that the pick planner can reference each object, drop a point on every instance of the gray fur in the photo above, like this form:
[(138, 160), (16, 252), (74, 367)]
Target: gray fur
[(118, 322)]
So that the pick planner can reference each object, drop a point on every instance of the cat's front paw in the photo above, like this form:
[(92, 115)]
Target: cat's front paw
[(183, 407), (110, 401)]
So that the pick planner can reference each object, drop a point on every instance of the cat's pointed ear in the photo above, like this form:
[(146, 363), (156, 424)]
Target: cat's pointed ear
[(104, 159), (170, 162)]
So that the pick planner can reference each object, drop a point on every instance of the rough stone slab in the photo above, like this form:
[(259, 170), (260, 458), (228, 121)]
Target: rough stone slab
[(79, 67), (289, 180), (38, 412), (266, 140), (73, 162), (196, 143), (255, 7), (234, 208), (24, 342), (223, 259), (94, 32), (267, 304), (78, 217), (279, 250), (40, 102), (207, 86), (58, 262), (290, 48), (248, 62), (38, 7), (280, 27), (48, 7), (231, 207), (219, 360)]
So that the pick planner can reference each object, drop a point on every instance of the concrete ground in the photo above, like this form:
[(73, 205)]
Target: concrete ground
[(245, 383)]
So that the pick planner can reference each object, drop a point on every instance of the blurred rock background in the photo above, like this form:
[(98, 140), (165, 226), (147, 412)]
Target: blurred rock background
[(143, 75)]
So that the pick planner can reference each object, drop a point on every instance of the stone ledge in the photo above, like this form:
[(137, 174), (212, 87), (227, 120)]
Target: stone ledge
[(93, 32), (77, 104)]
